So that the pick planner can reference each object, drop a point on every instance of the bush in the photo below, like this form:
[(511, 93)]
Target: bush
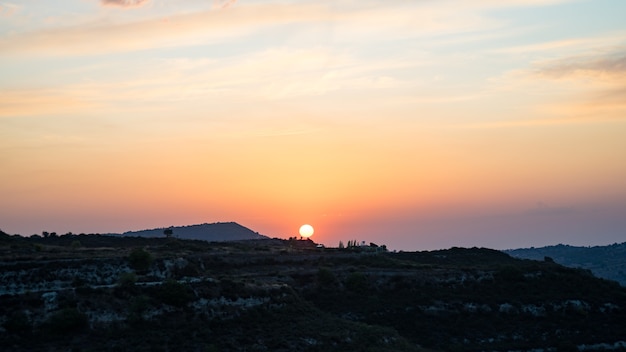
[(65, 321), (136, 309), (326, 278), (509, 273), (356, 282), (18, 323), (174, 293), (127, 280), (140, 259)]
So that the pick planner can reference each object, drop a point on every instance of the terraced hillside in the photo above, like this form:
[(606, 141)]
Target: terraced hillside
[(101, 293)]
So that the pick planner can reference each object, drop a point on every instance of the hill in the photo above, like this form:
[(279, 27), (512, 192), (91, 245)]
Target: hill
[(216, 232), (607, 262), (103, 293)]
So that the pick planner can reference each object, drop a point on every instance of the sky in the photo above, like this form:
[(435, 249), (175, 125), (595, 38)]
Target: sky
[(417, 124)]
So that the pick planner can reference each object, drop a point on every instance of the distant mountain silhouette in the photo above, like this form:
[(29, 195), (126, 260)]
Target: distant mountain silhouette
[(216, 232), (608, 262)]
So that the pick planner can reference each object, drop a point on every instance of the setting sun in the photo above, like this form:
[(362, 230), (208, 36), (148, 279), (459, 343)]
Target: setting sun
[(306, 230)]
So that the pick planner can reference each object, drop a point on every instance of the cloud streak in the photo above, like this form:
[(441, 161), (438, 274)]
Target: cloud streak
[(584, 81), (178, 30), (600, 80), (611, 66), (354, 23), (124, 3), (270, 75), (7, 9), (28, 102), (223, 4)]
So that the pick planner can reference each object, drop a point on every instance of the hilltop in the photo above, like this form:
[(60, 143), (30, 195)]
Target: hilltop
[(215, 232), (608, 262), (103, 293)]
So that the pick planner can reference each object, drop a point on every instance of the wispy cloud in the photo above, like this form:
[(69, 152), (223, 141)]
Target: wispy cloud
[(578, 81), (519, 3), (7, 9), (270, 75), (353, 23), (27, 102), (124, 3), (178, 30), (598, 80), (608, 66), (223, 4), (281, 132)]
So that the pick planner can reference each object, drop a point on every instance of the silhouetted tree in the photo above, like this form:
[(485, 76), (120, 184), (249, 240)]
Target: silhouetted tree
[(168, 232)]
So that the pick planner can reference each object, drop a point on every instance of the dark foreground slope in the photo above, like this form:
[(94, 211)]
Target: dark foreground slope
[(275, 295)]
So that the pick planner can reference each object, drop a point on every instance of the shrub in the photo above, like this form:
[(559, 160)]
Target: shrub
[(325, 277), (140, 259), (356, 282), (127, 280), (18, 323), (174, 293), (509, 273), (65, 321), (136, 309)]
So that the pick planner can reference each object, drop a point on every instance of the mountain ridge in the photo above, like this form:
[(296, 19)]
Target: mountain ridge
[(608, 262)]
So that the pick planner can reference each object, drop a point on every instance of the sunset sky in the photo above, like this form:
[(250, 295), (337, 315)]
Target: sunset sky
[(419, 124)]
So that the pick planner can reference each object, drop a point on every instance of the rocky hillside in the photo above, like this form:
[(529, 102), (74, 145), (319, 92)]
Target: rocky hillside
[(216, 232), (102, 293), (608, 262)]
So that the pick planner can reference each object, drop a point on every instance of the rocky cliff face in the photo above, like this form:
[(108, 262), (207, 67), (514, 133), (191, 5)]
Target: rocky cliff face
[(275, 295)]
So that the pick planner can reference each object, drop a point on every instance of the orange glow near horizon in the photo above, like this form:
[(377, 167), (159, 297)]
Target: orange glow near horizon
[(423, 124)]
